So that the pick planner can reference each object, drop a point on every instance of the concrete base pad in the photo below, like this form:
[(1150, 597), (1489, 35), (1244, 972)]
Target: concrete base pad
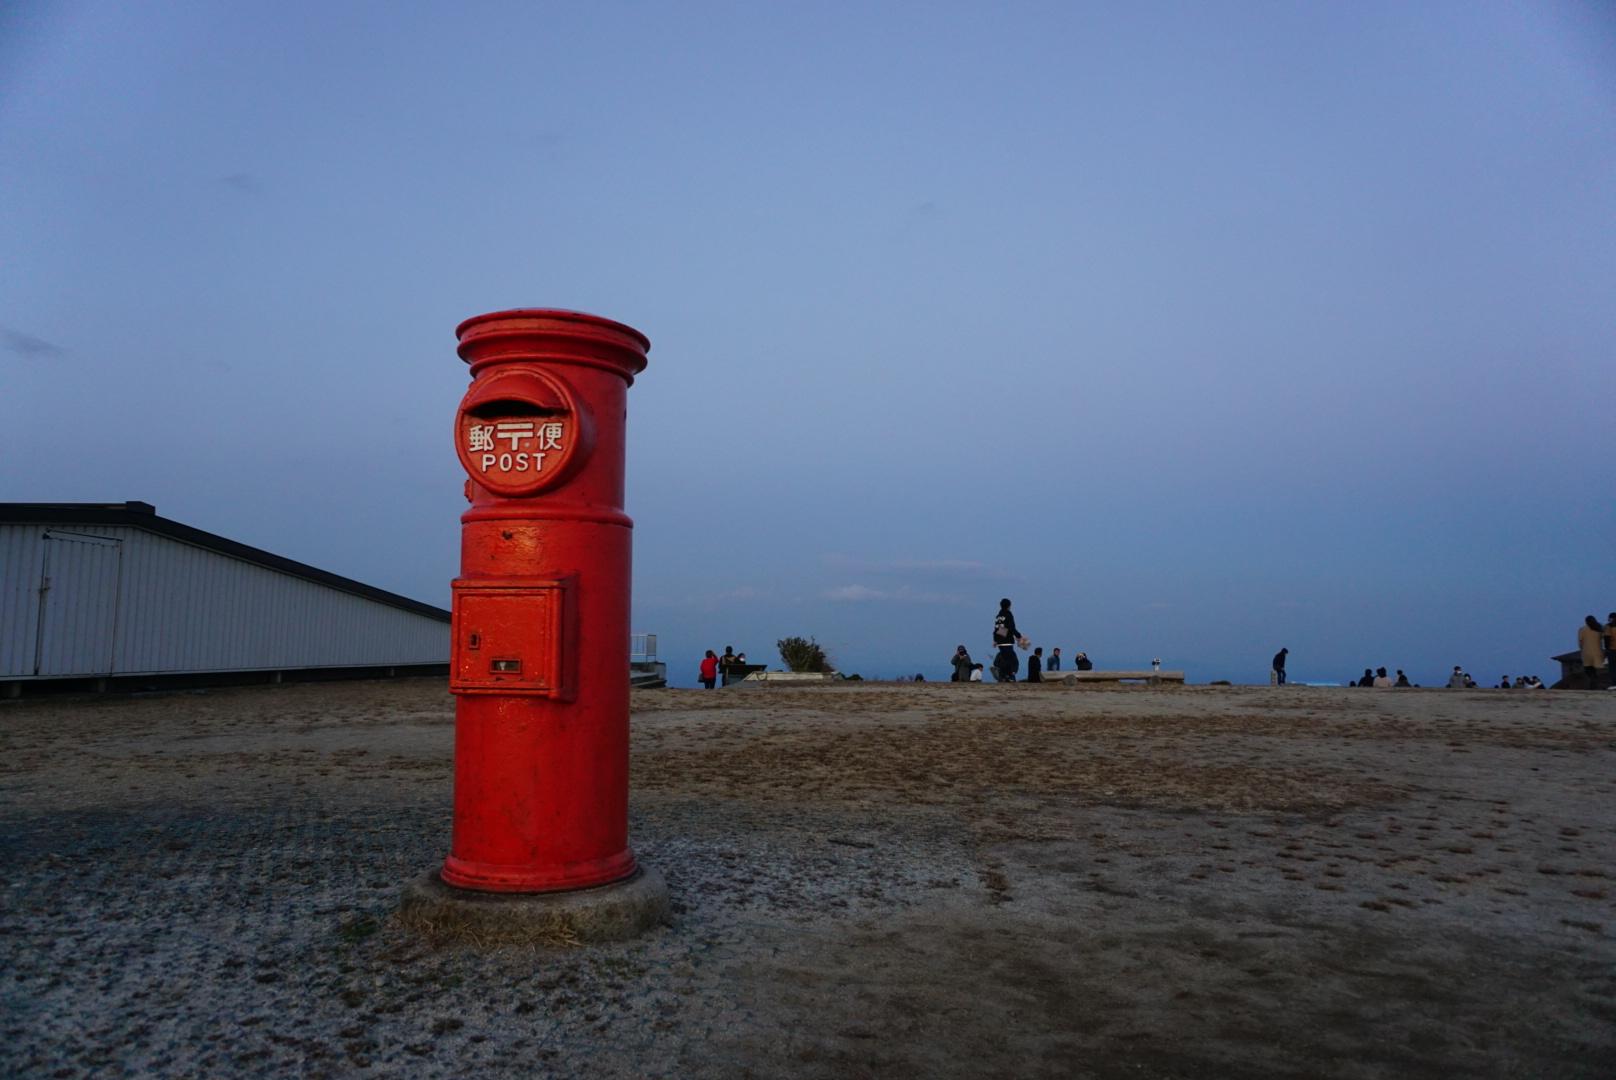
[(615, 912)]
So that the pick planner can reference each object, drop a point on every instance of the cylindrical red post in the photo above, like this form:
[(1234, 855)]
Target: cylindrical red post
[(539, 658)]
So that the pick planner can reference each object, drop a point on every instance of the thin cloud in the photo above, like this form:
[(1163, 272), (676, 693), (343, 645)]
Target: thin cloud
[(854, 593), (708, 601), (916, 220), (863, 594), (246, 183), (958, 569), (30, 346), (742, 592)]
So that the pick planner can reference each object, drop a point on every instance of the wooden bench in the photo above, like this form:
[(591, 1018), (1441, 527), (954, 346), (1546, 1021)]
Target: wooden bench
[(1075, 677)]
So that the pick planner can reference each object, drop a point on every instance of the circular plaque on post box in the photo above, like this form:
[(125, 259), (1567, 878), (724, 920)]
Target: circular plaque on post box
[(521, 432)]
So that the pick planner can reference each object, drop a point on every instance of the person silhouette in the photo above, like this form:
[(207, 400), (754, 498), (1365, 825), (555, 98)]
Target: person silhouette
[(962, 665), (1005, 635)]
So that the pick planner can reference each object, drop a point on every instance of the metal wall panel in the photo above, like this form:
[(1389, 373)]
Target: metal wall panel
[(203, 611), (183, 608), (22, 553)]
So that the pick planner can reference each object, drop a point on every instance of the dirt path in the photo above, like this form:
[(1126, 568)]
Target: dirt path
[(867, 880)]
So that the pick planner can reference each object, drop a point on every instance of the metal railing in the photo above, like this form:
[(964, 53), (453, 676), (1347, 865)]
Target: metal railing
[(641, 648)]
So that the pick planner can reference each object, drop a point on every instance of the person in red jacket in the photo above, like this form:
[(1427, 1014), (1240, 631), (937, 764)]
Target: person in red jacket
[(709, 669)]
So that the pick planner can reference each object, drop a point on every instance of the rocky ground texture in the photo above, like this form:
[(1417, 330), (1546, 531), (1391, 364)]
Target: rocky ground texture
[(1001, 881)]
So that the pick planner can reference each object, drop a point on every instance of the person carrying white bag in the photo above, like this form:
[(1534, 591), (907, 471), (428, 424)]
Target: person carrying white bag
[(1006, 639)]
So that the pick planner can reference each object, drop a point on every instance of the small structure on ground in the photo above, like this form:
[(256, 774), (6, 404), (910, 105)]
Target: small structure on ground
[(760, 675), (1155, 675), (645, 671), (111, 595), (1572, 676)]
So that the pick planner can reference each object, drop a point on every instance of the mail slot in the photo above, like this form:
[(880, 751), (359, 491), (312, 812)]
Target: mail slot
[(520, 432)]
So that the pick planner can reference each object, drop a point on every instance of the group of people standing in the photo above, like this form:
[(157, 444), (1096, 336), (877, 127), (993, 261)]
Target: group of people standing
[(715, 667), (1006, 664)]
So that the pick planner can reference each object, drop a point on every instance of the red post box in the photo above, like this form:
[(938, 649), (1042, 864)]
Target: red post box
[(541, 608)]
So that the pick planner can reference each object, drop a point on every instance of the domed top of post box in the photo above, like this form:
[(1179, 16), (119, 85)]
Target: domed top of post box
[(548, 334)]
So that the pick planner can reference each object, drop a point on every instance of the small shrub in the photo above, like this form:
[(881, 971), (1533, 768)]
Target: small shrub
[(803, 654)]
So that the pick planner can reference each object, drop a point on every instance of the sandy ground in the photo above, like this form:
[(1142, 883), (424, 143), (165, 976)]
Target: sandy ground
[(1003, 881)]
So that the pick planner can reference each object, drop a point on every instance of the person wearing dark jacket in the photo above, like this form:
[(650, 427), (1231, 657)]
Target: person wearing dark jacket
[(962, 665), (1005, 661), (1279, 667), (1083, 662), (1035, 665), (1610, 650)]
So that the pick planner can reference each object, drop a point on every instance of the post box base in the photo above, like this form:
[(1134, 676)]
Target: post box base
[(614, 912)]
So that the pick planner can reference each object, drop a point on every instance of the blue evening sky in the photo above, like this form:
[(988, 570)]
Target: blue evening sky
[(1199, 329)]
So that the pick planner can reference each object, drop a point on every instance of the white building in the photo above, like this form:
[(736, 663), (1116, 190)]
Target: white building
[(114, 594)]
